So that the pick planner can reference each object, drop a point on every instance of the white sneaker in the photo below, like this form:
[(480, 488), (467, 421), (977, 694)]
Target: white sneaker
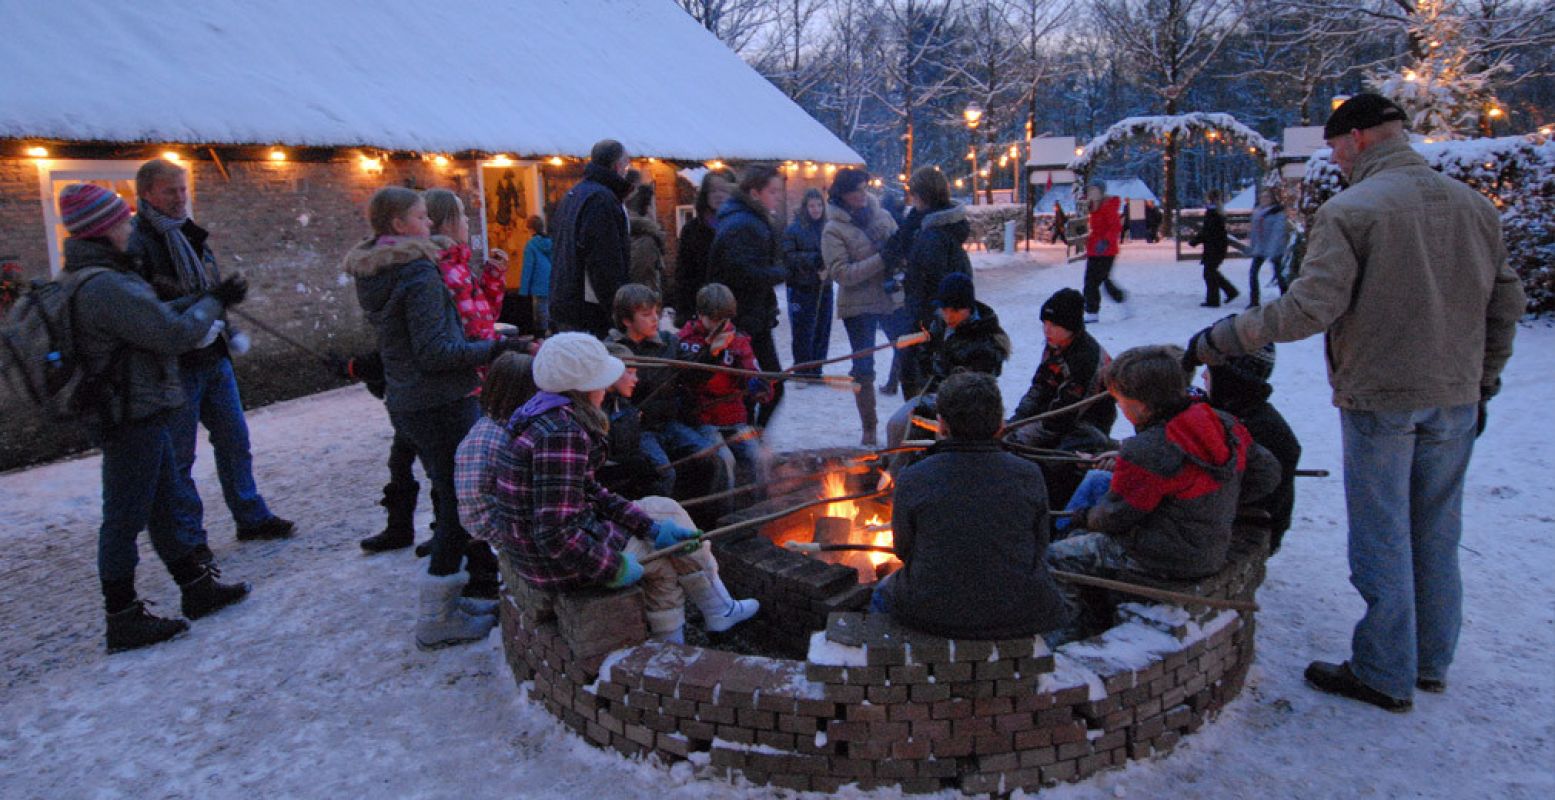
[(1092, 318)]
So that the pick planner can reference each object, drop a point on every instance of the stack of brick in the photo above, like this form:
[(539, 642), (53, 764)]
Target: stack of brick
[(874, 704)]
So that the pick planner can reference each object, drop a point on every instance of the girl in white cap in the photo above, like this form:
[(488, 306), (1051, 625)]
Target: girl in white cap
[(563, 530)]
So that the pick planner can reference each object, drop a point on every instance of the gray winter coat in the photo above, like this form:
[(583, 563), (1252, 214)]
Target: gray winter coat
[(126, 334), (853, 260), (1268, 233), (427, 362), (1406, 275)]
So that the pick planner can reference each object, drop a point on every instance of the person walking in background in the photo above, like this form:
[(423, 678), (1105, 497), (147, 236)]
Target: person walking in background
[(1215, 240), (809, 287), (747, 258), (175, 259), (851, 242), (430, 375), (695, 247), (592, 256), (1102, 244), (1406, 276), (647, 236), (129, 338), (1152, 222), (535, 282), (937, 249), (1060, 220), (1268, 241)]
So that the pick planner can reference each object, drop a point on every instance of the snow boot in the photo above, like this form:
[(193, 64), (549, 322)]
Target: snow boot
[(719, 610), (134, 627), (272, 528), (477, 607), (204, 595), (400, 532), (441, 622), (865, 400)]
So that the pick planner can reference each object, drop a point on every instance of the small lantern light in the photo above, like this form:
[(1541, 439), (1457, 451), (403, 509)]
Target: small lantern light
[(440, 160), (38, 152), (1078, 151), (1495, 112), (277, 154), (501, 160), (370, 165), (973, 114), (557, 161), (172, 156), (715, 164)]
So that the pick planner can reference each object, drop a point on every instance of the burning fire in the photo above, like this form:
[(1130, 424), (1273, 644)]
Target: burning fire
[(872, 531), (835, 484)]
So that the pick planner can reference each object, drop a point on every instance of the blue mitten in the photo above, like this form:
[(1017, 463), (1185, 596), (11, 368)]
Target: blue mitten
[(667, 533), (627, 574)]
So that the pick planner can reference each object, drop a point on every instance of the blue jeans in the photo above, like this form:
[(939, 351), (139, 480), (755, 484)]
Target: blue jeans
[(809, 319), (678, 440), (437, 432), (1403, 486), (211, 399), (142, 490), (861, 334), (1092, 488)]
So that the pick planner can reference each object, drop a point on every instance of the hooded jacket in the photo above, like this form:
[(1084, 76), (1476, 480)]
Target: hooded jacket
[(427, 362), (592, 255), (647, 265), (853, 259), (536, 278), (977, 345), (1248, 401), (936, 251), (1106, 228), (1406, 274), (126, 335), (1176, 488), (971, 529), (1268, 234), (746, 258), (802, 252)]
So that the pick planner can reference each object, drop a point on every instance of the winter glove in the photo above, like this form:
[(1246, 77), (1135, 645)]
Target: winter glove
[(668, 533), (231, 290), (1216, 344), (239, 342), (760, 391), (627, 574), (1479, 424)]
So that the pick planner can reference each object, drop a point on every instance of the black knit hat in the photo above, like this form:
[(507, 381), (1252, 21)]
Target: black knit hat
[(1361, 112), (1256, 366), (847, 180), (955, 291), (1066, 309)]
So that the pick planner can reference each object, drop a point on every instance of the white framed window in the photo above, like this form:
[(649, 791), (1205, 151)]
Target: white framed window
[(54, 175)]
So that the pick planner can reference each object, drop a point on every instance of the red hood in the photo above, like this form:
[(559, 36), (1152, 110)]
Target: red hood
[(1199, 432)]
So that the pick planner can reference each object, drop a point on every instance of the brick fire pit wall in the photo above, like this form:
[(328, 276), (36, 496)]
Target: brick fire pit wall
[(875, 704)]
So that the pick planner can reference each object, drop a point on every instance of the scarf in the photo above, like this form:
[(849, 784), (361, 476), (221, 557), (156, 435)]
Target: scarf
[(194, 274)]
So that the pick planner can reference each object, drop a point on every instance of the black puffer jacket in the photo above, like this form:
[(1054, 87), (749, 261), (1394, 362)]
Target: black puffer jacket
[(935, 250), (427, 362), (978, 345), (1248, 401), (802, 252), (746, 258), (1213, 235), (129, 337), (971, 527), (691, 265), (591, 241)]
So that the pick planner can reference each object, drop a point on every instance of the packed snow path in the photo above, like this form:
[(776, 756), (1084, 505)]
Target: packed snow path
[(313, 688)]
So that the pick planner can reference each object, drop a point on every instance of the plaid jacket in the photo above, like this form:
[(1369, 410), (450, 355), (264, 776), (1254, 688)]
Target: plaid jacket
[(561, 529), (475, 471)]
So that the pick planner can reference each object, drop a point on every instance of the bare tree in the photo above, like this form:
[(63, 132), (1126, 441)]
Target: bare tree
[(848, 67), (987, 67), (1291, 50), (735, 22), (1041, 57), (912, 50), (789, 55), (1168, 44)]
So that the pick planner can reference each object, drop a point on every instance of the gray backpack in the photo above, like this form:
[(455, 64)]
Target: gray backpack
[(37, 350)]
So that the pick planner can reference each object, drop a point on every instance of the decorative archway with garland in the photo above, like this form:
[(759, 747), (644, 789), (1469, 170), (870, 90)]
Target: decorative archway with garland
[(1171, 131)]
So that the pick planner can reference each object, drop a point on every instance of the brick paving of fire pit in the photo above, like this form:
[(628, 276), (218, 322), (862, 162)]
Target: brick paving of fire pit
[(875, 704)]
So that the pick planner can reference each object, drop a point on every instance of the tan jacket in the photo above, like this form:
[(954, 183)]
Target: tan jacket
[(853, 260), (1406, 273)]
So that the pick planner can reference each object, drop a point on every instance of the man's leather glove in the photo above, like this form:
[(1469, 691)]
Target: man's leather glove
[(232, 289), (1214, 345)]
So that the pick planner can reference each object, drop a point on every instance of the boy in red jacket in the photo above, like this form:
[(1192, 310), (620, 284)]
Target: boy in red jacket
[(1102, 244), (720, 399)]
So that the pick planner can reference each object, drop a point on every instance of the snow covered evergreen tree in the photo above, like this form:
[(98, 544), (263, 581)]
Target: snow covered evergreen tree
[(1446, 84)]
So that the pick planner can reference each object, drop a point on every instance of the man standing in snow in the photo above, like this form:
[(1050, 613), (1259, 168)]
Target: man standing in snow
[(1406, 275), (177, 262), (592, 253)]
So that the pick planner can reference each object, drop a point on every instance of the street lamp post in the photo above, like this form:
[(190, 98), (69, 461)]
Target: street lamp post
[(973, 115)]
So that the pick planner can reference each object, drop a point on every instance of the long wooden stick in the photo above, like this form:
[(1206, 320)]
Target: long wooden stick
[(1057, 412), (902, 342), (673, 363), (1165, 595), (1310, 473), (748, 433), (758, 521)]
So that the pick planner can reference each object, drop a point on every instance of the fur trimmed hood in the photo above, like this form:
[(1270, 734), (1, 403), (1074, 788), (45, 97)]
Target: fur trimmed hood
[(380, 253)]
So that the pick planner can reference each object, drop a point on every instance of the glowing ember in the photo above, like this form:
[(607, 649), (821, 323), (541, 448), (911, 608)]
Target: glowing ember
[(883, 538), (835, 484)]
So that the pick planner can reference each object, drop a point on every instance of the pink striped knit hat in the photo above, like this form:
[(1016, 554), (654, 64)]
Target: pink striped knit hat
[(89, 210)]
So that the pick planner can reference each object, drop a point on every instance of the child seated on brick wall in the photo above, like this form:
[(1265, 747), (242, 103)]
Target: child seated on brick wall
[(719, 399), (971, 527), (562, 530), (663, 435), (1173, 495), (1240, 387), (626, 470)]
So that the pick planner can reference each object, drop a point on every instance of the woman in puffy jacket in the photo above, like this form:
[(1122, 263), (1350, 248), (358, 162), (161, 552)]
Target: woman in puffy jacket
[(856, 228), (1268, 242), (809, 288)]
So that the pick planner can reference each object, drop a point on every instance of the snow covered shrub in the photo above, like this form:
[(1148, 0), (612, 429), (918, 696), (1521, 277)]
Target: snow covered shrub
[(987, 222), (1517, 174)]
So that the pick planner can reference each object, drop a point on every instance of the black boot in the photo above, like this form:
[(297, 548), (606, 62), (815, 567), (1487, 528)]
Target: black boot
[(134, 627), (1338, 679), (205, 595), (481, 563), (400, 532)]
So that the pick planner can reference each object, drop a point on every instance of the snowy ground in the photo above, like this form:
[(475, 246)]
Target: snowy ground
[(312, 687)]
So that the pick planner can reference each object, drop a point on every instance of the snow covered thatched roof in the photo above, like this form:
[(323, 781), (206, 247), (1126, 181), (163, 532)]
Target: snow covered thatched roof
[(1180, 125), (523, 77), (1063, 194)]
